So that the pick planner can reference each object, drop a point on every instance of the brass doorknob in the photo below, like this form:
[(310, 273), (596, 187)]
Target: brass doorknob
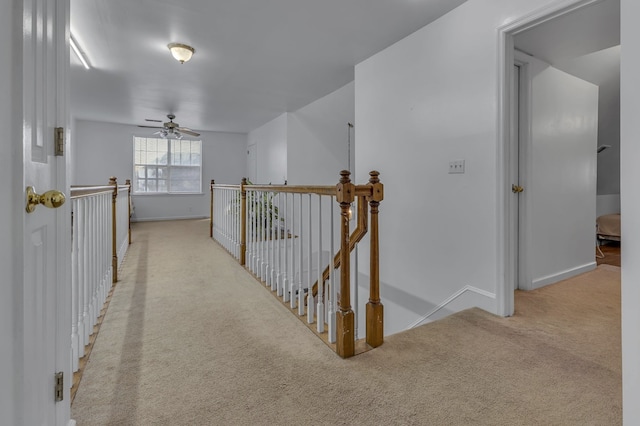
[(516, 189), (52, 199)]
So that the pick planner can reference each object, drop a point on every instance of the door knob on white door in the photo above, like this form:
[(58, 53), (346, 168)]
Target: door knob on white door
[(516, 189), (52, 199)]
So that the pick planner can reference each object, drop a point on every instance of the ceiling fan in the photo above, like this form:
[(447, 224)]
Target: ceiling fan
[(170, 130)]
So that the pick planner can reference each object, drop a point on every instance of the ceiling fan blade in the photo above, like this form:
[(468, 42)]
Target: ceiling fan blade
[(188, 131), (151, 127), (150, 119)]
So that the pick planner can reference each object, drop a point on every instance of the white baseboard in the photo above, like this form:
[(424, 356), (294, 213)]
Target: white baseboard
[(159, 219), (463, 290), (123, 250), (71, 423), (563, 275)]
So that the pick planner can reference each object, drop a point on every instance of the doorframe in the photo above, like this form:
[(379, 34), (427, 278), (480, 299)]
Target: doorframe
[(507, 268)]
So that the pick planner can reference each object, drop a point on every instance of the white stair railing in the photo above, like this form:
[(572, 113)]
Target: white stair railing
[(100, 238)]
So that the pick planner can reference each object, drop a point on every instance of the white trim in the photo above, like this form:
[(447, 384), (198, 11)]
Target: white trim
[(563, 275), (467, 288), (505, 269), (159, 219)]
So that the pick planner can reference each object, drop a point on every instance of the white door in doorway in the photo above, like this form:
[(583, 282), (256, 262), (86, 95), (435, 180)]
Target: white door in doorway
[(41, 266), (558, 173)]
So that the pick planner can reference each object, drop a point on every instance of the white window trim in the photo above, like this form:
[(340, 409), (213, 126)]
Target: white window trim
[(160, 194)]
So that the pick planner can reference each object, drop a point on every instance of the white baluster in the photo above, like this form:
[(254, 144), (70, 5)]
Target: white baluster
[(282, 243), (310, 301), (87, 272), (252, 234), (263, 243), (81, 274), (285, 249), (292, 276), (238, 219), (274, 238), (355, 293), (301, 260), (75, 341), (331, 320), (320, 307)]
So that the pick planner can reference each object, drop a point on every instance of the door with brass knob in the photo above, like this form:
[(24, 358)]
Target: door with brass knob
[(37, 272), (51, 199), (516, 189)]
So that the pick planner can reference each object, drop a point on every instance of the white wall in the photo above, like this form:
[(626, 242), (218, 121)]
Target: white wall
[(318, 139), (105, 149), (607, 204), (561, 180), (629, 178), (270, 144), (424, 101)]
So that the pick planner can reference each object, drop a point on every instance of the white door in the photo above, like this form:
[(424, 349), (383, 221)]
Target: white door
[(41, 267), (514, 150), (558, 162)]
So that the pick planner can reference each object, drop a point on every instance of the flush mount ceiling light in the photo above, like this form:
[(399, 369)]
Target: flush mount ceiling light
[(181, 52)]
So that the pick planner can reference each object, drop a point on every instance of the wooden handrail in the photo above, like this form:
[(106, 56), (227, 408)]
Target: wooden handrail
[(85, 191)]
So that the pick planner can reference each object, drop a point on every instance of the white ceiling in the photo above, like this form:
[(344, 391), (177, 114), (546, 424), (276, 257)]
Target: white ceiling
[(584, 43), (254, 60)]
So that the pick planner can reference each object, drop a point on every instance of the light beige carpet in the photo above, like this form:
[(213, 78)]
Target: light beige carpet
[(191, 339)]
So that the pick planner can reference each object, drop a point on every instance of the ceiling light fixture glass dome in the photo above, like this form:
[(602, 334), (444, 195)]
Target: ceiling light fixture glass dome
[(181, 52)]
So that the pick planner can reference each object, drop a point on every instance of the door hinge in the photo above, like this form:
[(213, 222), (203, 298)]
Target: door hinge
[(59, 387), (59, 141)]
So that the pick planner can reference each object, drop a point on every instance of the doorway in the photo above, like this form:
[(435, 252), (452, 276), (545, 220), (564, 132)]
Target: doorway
[(577, 22)]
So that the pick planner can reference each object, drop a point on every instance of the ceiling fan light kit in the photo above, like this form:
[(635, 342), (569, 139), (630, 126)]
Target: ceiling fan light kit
[(181, 52), (170, 129)]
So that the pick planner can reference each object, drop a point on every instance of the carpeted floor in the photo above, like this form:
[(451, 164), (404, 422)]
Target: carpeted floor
[(191, 339)]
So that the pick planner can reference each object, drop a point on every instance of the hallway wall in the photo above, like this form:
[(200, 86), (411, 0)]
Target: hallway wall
[(106, 149), (427, 100)]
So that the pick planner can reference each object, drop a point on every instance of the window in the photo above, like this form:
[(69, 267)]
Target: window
[(167, 165)]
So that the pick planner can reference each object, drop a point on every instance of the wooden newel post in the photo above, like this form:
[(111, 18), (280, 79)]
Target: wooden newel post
[(128, 183), (211, 210), (375, 311), (114, 236), (345, 326), (243, 222)]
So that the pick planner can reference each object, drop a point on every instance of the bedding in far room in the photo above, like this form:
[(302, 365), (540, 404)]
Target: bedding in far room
[(608, 227)]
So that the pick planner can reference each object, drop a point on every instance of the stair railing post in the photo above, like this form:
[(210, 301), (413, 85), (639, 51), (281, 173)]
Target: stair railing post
[(128, 183), (375, 311), (211, 210), (114, 236), (345, 326), (243, 221)]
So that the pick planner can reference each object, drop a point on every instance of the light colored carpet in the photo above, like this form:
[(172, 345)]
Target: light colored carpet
[(191, 339)]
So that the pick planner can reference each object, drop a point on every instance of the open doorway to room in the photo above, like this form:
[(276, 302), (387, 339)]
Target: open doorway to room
[(563, 57)]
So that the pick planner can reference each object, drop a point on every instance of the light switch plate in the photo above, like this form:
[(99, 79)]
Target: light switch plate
[(456, 166)]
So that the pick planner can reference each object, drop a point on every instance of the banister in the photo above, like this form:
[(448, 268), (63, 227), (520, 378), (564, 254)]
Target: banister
[(85, 191), (99, 237), (355, 238), (249, 211)]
